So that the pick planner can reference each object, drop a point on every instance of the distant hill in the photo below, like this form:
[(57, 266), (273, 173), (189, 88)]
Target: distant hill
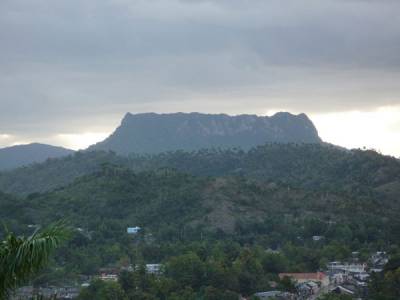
[(21, 155), (55, 173), (156, 133)]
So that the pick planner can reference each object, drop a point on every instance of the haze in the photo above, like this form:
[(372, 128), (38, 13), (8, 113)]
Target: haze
[(70, 70)]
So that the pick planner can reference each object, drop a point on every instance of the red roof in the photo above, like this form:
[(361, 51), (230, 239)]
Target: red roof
[(319, 276)]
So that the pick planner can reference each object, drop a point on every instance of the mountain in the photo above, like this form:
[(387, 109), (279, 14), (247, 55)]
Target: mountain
[(22, 155), (156, 133)]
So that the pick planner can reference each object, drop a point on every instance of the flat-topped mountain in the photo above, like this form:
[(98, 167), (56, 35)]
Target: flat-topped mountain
[(21, 155), (155, 133)]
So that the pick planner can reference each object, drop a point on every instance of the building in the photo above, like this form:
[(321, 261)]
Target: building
[(306, 277), (51, 292), (267, 295), (275, 295), (153, 268), (343, 291), (108, 277), (317, 238), (133, 230), (379, 260), (337, 267), (307, 289)]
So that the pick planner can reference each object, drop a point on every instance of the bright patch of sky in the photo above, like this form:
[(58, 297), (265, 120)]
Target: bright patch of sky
[(378, 130)]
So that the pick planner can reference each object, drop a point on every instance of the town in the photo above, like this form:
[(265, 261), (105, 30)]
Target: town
[(349, 278)]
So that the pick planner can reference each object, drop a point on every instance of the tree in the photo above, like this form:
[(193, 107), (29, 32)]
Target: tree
[(22, 257), (187, 270), (287, 284), (102, 290)]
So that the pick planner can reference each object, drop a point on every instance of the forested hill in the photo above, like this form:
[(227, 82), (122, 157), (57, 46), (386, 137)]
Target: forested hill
[(172, 207), (308, 166), (277, 196), (21, 155), (156, 133), (164, 201)]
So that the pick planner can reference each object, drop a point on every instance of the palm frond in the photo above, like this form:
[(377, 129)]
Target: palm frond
[(21, 257)]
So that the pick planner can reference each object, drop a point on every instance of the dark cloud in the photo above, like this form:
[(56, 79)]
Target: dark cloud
[(68, 65)]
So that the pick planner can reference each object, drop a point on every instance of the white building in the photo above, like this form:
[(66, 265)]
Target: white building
[(337, 267), (133, 230), (153, 268)]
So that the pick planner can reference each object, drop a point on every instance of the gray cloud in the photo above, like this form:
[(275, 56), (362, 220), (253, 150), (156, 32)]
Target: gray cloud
[(68, 65)]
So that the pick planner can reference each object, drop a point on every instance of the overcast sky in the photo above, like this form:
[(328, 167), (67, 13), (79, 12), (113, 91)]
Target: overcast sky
[(70, 69)]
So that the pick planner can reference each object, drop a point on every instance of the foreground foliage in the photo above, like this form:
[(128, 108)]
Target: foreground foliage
[(22, 257)]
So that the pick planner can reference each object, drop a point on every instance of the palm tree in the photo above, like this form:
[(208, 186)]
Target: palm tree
[(22, 257)]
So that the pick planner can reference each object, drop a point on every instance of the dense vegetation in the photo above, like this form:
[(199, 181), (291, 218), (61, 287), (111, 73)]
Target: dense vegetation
[(310, 166), (213, 210)]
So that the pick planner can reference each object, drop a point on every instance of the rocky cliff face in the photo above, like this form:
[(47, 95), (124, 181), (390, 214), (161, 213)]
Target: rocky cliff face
[(154, 133)]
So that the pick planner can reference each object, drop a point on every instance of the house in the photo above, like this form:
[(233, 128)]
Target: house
[(275, 295), (307, 289), (133, 230), (362, 276), (342, 290), (337, 267), (108, 274), (338, 278), (317, 238), (153, 268), (108, 277), (50, 292), (267, 295), (314, 287), (305, 277), (379, 260), (272, 251)]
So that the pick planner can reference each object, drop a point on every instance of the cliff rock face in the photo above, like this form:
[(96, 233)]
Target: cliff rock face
[(155, 133)]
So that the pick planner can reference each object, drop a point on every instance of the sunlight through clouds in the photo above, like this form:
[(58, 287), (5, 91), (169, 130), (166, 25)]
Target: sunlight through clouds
[(5, 139), (80, 141), (378, 129)]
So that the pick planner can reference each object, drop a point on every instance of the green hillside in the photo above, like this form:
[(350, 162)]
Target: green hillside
[(309, 166), (174, 207), (223, 207)]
